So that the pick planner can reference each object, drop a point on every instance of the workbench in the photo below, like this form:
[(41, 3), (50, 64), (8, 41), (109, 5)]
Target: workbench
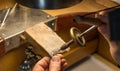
[(11, 60)]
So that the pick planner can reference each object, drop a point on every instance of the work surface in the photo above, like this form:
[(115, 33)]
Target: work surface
[(93, 63), (14, 56), (84, 6)]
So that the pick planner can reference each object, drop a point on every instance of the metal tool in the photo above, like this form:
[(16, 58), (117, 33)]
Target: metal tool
[(13, 8), (5, 17), (9, 11), (77, 36)]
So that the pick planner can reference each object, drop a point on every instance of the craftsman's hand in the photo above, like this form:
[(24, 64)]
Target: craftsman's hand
[(56, 63), (114, 45)]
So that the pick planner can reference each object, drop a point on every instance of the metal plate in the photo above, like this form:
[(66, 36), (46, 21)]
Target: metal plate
[(18, 21), (21, 19)]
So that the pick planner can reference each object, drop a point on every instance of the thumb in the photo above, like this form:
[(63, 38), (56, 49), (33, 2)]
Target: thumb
[(55, 64)]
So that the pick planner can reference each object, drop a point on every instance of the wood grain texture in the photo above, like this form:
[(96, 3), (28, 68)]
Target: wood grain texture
[(45, 37), (63, 25), (6, 3), (84, 6), (12, 59)]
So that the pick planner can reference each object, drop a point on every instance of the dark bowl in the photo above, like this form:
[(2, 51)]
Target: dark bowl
[(48, 4)]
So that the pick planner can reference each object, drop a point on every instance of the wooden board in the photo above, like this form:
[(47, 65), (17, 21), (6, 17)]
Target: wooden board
[(44, 39)]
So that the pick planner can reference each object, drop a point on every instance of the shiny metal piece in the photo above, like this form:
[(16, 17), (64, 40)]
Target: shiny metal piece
[(31, 59), (25, 66), (48, 4), (67, 44), (13, 8), (17, 22), (88, 30), (9, 11), (5, 17), (77, 37)]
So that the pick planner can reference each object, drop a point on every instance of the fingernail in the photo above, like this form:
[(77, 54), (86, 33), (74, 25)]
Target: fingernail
[(56, 59)]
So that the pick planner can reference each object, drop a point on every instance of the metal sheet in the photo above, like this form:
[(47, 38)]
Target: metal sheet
[(18, 21)]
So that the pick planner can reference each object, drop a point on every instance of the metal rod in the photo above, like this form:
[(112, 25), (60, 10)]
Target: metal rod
[(13, 9), (5, 17), (66, 45), (88, 30), (9, 11)]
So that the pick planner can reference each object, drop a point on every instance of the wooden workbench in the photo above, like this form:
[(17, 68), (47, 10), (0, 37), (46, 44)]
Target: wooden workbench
[(15, 56), (84, 6)]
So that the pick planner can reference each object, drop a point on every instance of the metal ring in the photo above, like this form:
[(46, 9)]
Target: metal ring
[(75, 34)]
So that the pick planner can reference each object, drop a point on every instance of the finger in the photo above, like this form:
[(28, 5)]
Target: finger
[(60, 55), (103, 16), (63, 61), (55, 63), (64, 64), (42, 64), (103, 13)]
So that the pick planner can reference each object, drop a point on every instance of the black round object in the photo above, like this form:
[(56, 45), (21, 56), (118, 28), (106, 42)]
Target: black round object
[(48, 4)]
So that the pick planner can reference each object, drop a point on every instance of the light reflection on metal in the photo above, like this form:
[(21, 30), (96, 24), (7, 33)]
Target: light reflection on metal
[(17, 22), (9, 12), (77, 37), (41, 3), (5, 17), (13, 8), (48, 4)]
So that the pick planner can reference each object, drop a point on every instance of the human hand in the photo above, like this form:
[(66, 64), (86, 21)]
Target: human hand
[(56, 63), (114, 45)]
